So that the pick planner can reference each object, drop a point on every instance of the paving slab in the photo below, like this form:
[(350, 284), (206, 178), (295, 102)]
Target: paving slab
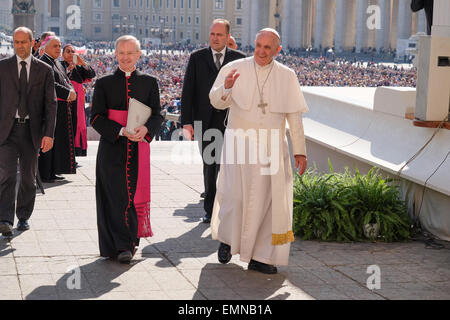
[(58, 258)]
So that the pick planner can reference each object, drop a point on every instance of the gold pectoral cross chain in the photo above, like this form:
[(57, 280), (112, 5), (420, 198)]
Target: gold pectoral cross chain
[(262, 105)]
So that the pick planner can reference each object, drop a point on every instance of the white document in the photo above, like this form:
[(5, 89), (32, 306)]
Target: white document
[(138, 114)]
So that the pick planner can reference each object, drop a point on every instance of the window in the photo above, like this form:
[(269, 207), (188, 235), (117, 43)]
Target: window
[(238, 4), (98, 16), (238, 21), (54, 9), (116, 4), (218, 4), (197, 20), (181, 4), (181, 19), (198, 4), (97, 4), (98, 29), (174, 4)]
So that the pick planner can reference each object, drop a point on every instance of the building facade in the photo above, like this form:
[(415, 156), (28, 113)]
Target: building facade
[(173, 21), (345, 25), (5, 15)]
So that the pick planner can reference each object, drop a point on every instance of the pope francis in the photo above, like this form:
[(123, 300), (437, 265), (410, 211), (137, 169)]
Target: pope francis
[(253, 207)]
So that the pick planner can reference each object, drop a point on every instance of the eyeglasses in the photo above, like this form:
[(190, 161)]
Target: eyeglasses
[(127, 54)]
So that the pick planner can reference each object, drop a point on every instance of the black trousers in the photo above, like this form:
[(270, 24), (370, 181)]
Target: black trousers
[(211, 171), (18, 148)]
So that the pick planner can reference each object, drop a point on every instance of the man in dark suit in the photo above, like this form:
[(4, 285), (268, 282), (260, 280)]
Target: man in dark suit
[(202, 70), (428, 5), (27, 123)]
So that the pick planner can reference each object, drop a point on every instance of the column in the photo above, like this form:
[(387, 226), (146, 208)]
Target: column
[(286, 22), (382, 41), (254, 20), (45, 17), (318, 34), (371, 33), (308, 23), (361, 25), (404, 19), (297, 23), (394, 26), (341, 18), (422, 22), (345, 25), (62, 18), (246, 10), (441, 19), (324, 27)]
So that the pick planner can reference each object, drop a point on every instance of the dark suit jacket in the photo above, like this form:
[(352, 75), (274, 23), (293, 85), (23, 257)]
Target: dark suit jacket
[(428, 5), (41, 99), (199, 78)]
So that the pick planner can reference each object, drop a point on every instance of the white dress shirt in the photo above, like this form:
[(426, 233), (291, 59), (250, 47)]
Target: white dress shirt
[(19, 68)]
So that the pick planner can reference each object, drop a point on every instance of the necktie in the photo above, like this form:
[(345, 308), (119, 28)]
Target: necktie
[(23, 109), (218, 64)]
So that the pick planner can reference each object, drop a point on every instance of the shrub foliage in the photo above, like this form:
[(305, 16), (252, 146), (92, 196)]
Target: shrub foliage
[(337, 206)]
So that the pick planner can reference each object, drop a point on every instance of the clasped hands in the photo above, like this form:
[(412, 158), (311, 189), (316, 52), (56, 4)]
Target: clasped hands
[(139, 136)]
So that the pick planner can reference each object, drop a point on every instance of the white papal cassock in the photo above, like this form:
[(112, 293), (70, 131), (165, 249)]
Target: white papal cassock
[(254, 200)]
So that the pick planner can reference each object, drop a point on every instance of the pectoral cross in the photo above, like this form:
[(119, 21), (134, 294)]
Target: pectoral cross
[(262, 106)]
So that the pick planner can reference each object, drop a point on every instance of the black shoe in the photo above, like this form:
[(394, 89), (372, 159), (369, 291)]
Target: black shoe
[(203, 195), (23, 225), (206, 219), (224, 253), (5, 228), (47, 180), (8, 235), (125, 257), (262, 267), (56, 178)]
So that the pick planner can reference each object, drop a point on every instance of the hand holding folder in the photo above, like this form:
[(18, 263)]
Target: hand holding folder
[(138, 115)]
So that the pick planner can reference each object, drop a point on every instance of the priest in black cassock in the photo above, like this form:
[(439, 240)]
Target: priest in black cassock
[(61, 159), (123, 159), (79, 72)]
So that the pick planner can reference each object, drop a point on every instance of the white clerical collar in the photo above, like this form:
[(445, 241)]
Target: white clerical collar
[(27, 60), (222, 52), (128, 73), (267, 66)]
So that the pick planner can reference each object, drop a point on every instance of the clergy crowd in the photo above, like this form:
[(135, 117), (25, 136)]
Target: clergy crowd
[(248, 205)]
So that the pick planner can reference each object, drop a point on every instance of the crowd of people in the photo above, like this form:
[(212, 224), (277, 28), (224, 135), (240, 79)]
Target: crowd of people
[(169, 67)]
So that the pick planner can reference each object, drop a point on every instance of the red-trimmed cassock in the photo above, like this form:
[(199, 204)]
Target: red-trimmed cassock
[(61, 159), (123, 166), (78, 76)]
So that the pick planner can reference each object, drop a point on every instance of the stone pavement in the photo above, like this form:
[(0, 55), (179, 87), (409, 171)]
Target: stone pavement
[(180, 261)]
